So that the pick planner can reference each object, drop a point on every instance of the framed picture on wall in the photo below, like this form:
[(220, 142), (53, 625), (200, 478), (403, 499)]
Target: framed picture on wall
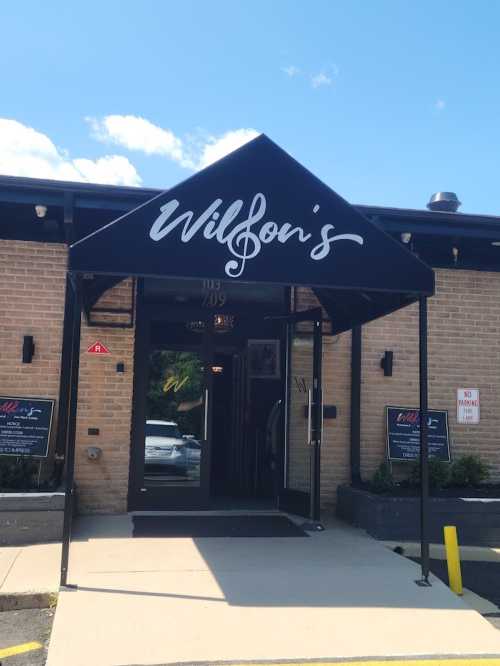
[(264, 359)]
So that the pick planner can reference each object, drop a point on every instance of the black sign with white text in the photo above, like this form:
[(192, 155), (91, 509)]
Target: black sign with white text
[(403, 434), (25, 425), (256, 215)]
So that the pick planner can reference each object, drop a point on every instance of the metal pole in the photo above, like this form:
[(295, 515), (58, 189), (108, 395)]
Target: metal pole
[(316, 421), (72, 390), (64, 381), (424, 443), (356, 405)]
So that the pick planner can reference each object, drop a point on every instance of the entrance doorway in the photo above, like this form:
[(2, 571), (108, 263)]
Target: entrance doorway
[(225, 407)]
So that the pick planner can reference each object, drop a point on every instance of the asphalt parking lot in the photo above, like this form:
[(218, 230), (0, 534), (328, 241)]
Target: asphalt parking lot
[(19, 629)]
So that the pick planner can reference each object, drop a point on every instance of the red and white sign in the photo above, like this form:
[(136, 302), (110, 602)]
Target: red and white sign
[(98, 348), (467, 405)]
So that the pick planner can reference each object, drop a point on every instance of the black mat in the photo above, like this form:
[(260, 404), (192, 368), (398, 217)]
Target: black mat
[(216, 526)]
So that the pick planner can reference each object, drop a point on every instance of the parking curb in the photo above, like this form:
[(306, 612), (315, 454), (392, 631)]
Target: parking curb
[(27, 600)]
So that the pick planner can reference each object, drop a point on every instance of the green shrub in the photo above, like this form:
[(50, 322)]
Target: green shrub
[(18, 473), (439, 474), (382, 480), (468, 471)]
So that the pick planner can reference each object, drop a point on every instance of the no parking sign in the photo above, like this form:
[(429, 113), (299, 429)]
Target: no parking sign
[(467, 405)]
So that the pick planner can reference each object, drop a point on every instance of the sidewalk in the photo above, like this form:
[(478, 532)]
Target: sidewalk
[(337, 594), (29, 576)]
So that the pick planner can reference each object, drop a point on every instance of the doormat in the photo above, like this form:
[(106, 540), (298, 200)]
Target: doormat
[(216, 526)]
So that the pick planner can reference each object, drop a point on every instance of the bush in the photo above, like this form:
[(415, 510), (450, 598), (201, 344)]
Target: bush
[(439, 474), (18, 473), (383, 480), (468, 471)]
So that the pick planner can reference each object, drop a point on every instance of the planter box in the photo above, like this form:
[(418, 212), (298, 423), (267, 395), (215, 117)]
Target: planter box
[(398, 518), (30, 518)]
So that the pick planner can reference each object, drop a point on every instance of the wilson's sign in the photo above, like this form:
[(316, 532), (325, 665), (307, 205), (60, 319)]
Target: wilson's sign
[(403, 434), (25, 426), (243, 228)]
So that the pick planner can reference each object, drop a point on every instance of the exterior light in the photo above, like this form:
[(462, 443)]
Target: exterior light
[(495, 243), (223, 323), (41, 211), (28, 348), (455, 254), (386, 363), (406, 237)]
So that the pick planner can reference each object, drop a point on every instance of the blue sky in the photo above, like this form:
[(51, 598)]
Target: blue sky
[(386, 102)]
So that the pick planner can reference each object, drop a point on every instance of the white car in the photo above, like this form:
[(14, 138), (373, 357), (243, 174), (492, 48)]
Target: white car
[(193, 450), (165, 448)]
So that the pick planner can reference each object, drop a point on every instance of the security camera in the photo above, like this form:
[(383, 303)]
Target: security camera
[(40, 210)]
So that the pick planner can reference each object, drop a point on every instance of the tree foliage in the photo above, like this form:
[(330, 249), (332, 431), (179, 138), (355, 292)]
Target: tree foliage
[(176, 381)]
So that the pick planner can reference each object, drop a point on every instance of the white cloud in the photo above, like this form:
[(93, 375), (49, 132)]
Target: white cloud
[(291, 70), (217, 147), (321, 79), (26, 152), (139, 134), (136, 133), (440, 105)]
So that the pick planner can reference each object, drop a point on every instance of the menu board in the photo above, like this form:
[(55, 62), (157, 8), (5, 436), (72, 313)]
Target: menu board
[(25, 425), (403, 434)]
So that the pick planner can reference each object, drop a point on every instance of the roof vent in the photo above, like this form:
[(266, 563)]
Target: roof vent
[(444, 201)]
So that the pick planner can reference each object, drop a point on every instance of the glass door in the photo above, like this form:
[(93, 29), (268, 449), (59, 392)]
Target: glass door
[(300, 492), (171, 465)]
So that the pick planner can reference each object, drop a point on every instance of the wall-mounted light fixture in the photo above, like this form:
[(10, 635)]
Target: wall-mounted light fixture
[(455, 255), (406, 237), (386, 363), (28, 348), (40, 210)]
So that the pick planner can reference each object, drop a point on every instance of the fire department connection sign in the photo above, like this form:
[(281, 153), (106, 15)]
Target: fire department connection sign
[(98, 348), (467, 405)]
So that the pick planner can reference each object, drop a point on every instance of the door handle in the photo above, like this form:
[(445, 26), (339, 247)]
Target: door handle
[(205, 426), (320, 438), (309, 417)]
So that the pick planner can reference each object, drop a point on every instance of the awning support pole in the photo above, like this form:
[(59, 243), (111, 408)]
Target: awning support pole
[(64, 381), (72, 393), (356, 343), (424, 444)]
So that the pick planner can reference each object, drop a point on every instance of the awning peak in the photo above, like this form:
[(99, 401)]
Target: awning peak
[(256, 215)]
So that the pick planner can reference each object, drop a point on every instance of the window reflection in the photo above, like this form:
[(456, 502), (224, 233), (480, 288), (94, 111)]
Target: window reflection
[(173, 433)]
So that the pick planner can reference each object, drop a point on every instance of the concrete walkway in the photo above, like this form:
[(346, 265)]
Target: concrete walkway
[(336, 594), (29, 576)]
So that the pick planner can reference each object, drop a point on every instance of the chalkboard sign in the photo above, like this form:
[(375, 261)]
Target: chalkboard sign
[(25, 425), (403, 434)]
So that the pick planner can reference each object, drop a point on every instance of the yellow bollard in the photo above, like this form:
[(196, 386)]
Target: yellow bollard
[(453, 559)]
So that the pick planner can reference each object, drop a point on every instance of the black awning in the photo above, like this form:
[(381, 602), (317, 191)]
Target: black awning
[(259, 216)]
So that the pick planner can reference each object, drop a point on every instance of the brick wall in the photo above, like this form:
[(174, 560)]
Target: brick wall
[(105, 402), (336, 370), (464, 351), (335, 451), (32, 286)]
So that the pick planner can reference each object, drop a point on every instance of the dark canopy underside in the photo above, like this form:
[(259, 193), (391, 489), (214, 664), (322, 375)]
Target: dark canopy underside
[(258, 216)]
